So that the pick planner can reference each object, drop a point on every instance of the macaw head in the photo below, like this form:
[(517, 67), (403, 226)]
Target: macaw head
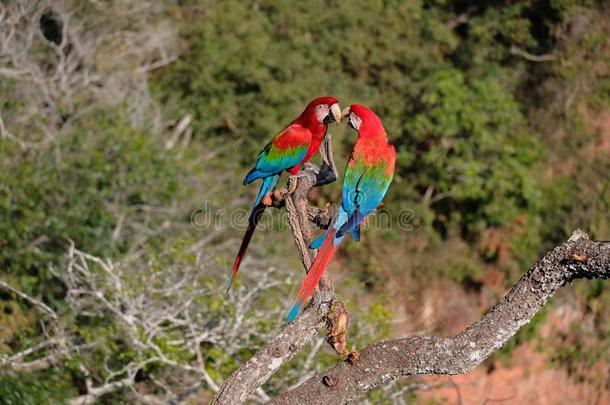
[(364, 120), (323, 110)]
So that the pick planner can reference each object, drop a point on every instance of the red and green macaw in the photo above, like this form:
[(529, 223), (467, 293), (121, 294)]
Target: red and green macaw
[(291, 147), (367, 177)]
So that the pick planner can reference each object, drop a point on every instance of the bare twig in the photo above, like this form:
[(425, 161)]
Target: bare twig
[(64, 61), (462, 18), (181, 127), (515, 50), (158, 313), (36, 303)]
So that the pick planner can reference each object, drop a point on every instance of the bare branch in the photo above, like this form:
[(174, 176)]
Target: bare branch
[(461, 18), (83, 66), (388, 360), (36, 303), (159, 313), (515, 50), (279, 349), (16, 363), (97, 392), (300, 214)]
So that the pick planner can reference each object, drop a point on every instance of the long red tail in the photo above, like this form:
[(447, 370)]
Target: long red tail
[(319, 266), (252, 223)]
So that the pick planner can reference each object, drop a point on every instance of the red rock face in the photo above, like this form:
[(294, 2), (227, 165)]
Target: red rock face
[(529, 379)]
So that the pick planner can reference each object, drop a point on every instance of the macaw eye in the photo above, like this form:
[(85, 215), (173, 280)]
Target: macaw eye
[(322, 111)]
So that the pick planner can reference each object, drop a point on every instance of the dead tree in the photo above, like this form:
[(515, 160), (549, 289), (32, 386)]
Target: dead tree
[(385, 361)]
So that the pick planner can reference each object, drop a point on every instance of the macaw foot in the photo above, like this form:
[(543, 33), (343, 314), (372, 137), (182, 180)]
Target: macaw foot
[(311, 167), (267, 201)]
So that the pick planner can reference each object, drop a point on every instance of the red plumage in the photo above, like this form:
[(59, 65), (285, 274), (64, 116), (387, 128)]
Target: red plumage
[(293, 135), (325, 255), (367, 177), (309, 119), (307, 129)]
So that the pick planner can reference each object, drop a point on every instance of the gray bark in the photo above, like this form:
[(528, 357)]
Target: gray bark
[(381, 362)]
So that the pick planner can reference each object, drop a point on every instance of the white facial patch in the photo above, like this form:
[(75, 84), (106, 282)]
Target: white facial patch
[(322, 111), (355, 121)]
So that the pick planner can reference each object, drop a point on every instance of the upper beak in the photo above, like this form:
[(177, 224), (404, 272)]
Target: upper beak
[(335, 110), (345, 112)]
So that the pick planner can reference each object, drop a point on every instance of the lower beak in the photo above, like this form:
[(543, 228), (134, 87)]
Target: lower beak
[(345, 114)]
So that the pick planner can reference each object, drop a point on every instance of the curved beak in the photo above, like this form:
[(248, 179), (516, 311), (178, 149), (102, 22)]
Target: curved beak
[(335, 111), (345, 112)]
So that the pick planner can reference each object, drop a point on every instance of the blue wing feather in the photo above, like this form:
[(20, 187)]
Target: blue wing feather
[(363, 191)]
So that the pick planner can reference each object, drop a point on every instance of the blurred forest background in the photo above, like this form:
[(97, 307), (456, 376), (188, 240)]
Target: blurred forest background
[(127, 126)]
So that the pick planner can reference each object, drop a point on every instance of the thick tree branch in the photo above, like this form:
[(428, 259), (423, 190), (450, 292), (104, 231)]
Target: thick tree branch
[(278, 350), (379, 363)]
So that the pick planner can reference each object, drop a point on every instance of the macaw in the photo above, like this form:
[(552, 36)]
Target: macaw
[(291, 147), (368, 175)]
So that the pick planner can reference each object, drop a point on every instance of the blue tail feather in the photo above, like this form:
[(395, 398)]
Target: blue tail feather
[(267, 186), (294, 311), (352, 224), (317, 242), (356, 233)]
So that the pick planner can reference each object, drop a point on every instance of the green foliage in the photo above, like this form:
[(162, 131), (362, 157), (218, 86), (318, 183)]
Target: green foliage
[(580, 351), (29, 389), (487, 144), (461, 105), (76, 191), (458, 129), (472, 145)]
